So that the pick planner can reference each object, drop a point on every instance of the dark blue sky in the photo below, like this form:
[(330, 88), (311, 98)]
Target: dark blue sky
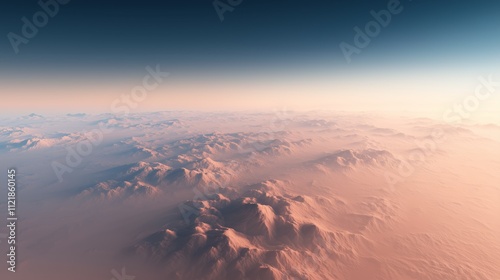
[(121, 37)]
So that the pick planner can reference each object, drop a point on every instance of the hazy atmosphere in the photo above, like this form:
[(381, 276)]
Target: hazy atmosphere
[(233, 139)]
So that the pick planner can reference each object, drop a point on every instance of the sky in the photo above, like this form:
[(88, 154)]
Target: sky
[(263, 54)]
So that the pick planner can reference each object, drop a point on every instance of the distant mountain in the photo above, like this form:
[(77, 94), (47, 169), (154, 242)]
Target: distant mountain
[(352, 159), (151, 178)]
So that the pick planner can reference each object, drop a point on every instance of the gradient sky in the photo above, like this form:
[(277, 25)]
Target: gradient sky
[(264, 54)]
